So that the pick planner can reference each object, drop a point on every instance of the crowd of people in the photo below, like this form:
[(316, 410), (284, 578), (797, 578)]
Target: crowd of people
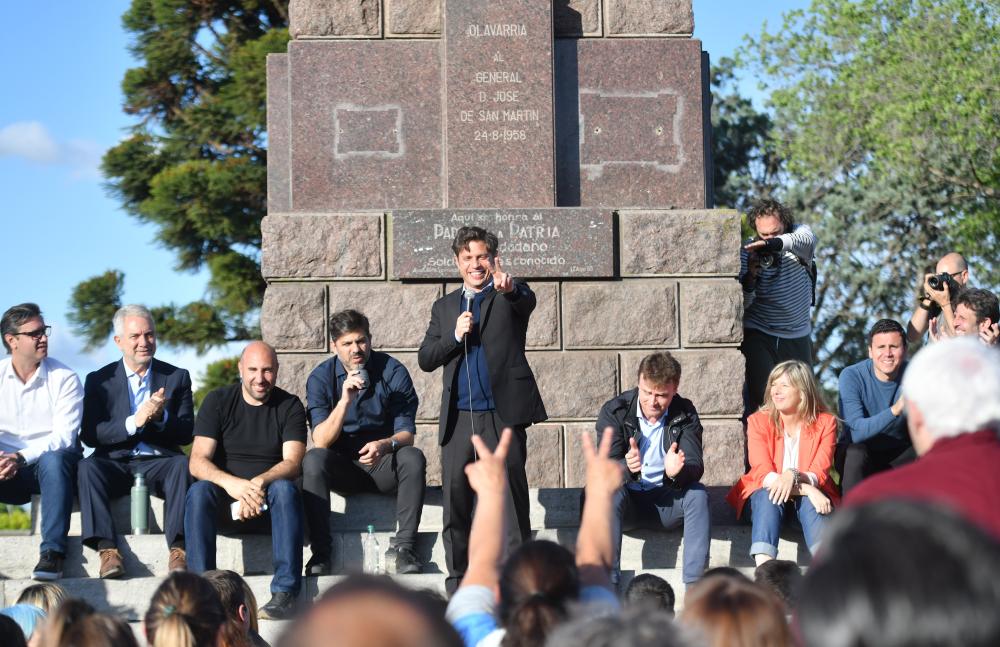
[(912, 449)]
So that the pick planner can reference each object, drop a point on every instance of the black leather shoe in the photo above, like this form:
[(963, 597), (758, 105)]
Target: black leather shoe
[(318, 566), (281, 606), (407, 562)]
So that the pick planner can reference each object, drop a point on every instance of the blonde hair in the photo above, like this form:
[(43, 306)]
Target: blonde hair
[(185, 611), (800, 376), (47, 596)]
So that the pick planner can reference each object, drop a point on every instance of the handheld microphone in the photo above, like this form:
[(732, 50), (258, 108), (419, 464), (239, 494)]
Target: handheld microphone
[(362, 372), (469, 294)]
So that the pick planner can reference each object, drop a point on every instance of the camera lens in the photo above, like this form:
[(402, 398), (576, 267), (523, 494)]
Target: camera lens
[(766, 260)]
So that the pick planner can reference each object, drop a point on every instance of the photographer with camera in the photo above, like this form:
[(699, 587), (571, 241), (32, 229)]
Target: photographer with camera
[(938, 291), (778, 277)]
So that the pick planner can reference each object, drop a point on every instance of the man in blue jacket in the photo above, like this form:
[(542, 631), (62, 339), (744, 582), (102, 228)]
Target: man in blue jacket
[(873, 437)]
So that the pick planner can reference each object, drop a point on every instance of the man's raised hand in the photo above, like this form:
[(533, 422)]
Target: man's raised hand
[(603, 474), (502, 281), (489, 473)]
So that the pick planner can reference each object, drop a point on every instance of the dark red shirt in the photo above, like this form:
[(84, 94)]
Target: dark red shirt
[(962, 472)]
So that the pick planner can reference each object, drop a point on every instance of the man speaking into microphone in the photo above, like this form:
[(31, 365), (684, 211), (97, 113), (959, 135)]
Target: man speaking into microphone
[(477, 333)]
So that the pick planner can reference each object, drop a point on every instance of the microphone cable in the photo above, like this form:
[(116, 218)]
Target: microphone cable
[(469, 296)]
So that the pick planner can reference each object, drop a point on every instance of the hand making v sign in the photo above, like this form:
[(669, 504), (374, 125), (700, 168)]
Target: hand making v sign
[(502, 281)]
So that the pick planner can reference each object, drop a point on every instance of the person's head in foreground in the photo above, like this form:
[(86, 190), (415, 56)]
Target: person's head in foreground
[(632, 628), (648, 591), (902, 574), (47, 596), (371, 611), (782, 577), (185, 611), (951, 388), (76, 624), (721, 611)]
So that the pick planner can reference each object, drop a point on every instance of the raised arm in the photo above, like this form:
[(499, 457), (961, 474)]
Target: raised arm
[(488, 478), (594, 543)]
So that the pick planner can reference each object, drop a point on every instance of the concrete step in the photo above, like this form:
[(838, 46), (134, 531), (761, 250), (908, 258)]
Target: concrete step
[(550, 508), (147, 555)]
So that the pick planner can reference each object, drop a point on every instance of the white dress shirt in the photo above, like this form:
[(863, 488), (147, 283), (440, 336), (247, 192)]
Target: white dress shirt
[(40, 415), (139, 391)]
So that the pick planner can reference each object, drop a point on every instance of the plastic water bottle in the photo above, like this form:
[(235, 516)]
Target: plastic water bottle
[(140, 505), (372, 555)]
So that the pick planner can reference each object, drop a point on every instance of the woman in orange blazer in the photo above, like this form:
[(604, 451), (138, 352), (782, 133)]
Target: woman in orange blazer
[(790, 443)]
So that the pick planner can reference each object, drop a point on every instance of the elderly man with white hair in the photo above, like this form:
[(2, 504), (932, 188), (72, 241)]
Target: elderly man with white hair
[(952, 393)]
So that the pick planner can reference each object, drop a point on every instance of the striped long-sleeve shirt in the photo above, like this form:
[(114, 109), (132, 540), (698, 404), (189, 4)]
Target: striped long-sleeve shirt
[(780, 303)]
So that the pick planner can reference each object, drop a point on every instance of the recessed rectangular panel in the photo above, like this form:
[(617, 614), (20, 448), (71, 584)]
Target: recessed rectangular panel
[(538, 243), (631, 129), (366, 125)]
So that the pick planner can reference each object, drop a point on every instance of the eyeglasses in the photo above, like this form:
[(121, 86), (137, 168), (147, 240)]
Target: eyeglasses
[(37, 334)]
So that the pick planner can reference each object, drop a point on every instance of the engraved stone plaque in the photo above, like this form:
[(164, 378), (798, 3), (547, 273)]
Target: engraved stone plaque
[(534, 243), (499, 103)]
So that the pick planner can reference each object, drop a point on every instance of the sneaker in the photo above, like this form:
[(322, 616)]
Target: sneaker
[(318, 565), (49, 566), (281, 606), (111, 564), (407, 562), (177, 560)]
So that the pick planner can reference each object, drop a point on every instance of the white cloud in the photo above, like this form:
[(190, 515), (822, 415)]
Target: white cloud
[(31, 141)]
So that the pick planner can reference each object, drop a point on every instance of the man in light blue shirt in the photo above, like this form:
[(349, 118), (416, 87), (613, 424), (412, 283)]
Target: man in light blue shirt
[(658, 438)]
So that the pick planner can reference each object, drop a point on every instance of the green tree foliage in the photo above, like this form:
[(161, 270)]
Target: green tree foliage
[(744, 161), (14, 518), (221, 373), (195, 163), (887, 117), (93, 304)]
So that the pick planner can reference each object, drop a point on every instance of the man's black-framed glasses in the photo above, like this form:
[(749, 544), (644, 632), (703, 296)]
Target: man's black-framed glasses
[(38, 333)]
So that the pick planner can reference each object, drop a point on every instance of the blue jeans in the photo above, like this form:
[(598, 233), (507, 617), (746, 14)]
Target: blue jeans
[(207, 507), (767, 519), (53, 476), (665, 507)]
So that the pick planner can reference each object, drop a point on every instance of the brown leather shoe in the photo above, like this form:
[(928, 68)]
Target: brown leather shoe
[(178, 560), (111, 564)]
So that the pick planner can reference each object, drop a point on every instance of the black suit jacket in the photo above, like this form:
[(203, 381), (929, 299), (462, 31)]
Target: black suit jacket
[(107, 401), (503, 328)]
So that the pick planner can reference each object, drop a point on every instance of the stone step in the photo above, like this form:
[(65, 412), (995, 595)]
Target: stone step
[(146, 555), (550, 508)]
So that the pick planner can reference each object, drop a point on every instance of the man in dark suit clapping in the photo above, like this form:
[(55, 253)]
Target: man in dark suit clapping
[(477, 333), (137, 413)]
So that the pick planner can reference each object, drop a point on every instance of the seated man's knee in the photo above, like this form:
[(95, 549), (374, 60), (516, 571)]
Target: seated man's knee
[(58, 464), (314, 461), (200, 494), (282, 491), (856, 453), (411, 457)]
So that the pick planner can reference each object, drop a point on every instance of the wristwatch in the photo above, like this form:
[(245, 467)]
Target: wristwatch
[(20, 460), (394, 444)]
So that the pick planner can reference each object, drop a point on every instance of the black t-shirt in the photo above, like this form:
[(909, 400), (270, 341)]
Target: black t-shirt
[(250, 437)]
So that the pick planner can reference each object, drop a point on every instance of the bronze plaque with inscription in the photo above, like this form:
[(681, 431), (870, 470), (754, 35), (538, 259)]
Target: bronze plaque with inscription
[(534, 243), (499, 108)]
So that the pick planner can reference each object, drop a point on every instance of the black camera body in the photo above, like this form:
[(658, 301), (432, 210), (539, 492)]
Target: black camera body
[(938, 281), (769, 255)]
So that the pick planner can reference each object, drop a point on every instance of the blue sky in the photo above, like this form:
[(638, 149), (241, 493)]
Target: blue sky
[(62, 67)]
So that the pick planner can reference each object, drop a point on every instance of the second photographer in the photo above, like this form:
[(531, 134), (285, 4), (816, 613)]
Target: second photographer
[(778, 277)]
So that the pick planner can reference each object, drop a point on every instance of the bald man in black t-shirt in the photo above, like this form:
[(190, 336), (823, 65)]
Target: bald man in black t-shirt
[(248, 447)]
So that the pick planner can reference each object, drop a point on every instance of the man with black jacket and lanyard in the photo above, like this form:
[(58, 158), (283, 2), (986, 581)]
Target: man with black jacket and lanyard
[(658, 438)]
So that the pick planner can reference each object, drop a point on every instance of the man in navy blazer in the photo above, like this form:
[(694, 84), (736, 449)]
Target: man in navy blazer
[(137, 413), (477, 333)]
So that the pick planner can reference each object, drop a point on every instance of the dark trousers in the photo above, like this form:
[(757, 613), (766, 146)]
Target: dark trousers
[(857, 461), (403, 472), (102, 479), (762, 353), (208, 510), (460, 500), (53, 476)]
